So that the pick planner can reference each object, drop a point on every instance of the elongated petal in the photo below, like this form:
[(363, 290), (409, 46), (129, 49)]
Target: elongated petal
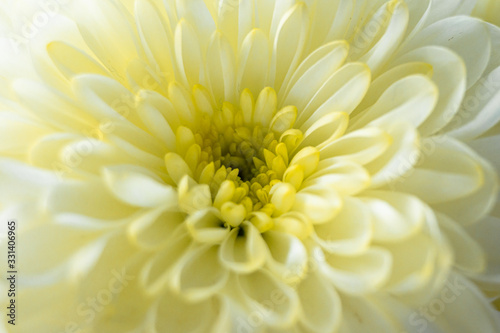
[(361, 273), (347, 233), (137, 186)]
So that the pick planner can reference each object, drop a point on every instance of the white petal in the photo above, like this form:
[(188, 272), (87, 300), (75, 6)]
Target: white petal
[(67, 242), (277, 302), (411, 99), (197, 12), (326, 129), (358, 274), (313, 72), (156, 37), (467, 253), (384, 43), (153, 229), (156, 273), (246, 253), (220, 67), (188, 54), (236, 19), (24, 182), (480, 109), (331, 21), (253, 62), (472, 208), (394, 215), (414, 261), (318, 203), (176, 315), (361, 146), (390, 76), (107, 30), (91, 198), (345, 177), (399, 158), (206, 226), (287, 255), (467, 36), (11, 127), (71, 61), (444, 174), (138, 187), (449, 75), (486, 234), (343, 91), (199, 274), (52, 106), (349, 232), (320, 303), (106, 99), (360, 314), (155, 120), (464, 301)]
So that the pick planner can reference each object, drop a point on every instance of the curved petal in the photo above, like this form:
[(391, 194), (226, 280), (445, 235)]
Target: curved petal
[(206, 226), (411, 99), (90, 197), (313, 73), (468, 37), (287, 255), (107, 27), (400, 157), (471, 208), (375, 48), (243, 253), (414, 260), (318, 203), (198, 274), (320, 304), (221, 69), (153, 229), (349, 232), (342, 91), (288, 43), (358, 274), (395, 216), (72, 61), (156, 38), (449, 74), (480, 109), (467, 253), (361, 314), (253, 62), (137, 186), (326, 129), (188, 54), (345, 177), (361, 146), (444, 173), (274, 300), (156, 273), (486, 234), (463, 300), (176, 315)]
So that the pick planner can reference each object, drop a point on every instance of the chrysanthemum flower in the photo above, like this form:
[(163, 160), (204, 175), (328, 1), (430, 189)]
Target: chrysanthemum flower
[(253, 166)]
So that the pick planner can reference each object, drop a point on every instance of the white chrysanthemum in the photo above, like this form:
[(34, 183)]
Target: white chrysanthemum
[(252, 166)]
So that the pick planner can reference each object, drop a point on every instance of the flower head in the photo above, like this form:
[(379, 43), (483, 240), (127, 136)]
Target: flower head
[(256, 166)]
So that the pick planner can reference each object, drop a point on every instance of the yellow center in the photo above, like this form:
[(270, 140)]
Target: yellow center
[(244, 155)]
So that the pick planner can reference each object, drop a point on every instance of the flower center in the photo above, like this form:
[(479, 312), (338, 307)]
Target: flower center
[(242, 157)]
